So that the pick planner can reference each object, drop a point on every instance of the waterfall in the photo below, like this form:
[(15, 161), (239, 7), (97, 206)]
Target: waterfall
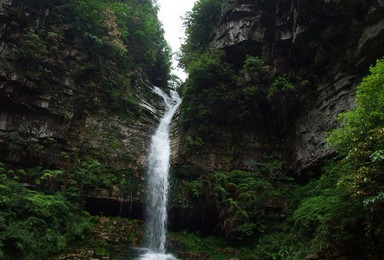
[(158, 180)]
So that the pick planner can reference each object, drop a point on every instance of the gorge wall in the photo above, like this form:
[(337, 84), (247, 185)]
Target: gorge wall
[(58, 106), (328, 43), (64, 98), (39, 125), (71, 93), (50, 114), (77, 107)]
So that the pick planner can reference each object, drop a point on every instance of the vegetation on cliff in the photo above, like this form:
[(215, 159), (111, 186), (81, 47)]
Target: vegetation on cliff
[(34, 224), (361, 149), (99, 43), (249, 93), (42, 210), (265, 215), (336, 213), (106, 46), (331, 212), (80, 57)]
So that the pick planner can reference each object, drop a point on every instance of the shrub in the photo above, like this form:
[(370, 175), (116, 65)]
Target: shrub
[(34, 225), (360, 144), (253, 63), (280, 85)]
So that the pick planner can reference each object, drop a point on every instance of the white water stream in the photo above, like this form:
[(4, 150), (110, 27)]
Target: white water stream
[(158, 181)]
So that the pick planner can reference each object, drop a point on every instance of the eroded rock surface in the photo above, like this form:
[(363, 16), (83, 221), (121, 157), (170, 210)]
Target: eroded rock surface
[(333, 41), (48, 113)]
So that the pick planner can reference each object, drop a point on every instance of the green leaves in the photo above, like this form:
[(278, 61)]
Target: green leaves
[(280, 85), (200, 28), (128, 30), (47, 204), (253, 63), (210, 69), (368, 114), (377, 199), (360, 139), (347, 201), (41, 223), (377, 156), (314, 210), (34, 225), (207, 93), (47, 174), (239, 196)]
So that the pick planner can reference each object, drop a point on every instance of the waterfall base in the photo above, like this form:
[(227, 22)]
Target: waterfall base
[(144, 254), (156, 256)]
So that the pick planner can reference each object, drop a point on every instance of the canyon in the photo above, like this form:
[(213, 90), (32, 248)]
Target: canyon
[(73, 97)]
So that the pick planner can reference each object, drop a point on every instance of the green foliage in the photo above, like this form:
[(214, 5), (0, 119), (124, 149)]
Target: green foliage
[(90, 174), (340, 208), (85, 177), (209, 245), (104, 45), (125, 29), (278, 244), (41, 223), (360, 141), (129, 35), (200, 26), (239, 196), (280, 85), (208, 69), (368, 115), (194, 141), (315, 210), (210, 89), (319, 216), (343, 206), (206, 95), (253, 63), (34, 225), (244, 91)]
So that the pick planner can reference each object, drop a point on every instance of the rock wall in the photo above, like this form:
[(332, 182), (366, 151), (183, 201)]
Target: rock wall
[(233, 148), (332, 42), (53, 117), (38, 125)]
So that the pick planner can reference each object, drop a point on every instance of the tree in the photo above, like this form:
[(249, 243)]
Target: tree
[(360, 141), (200, 26)]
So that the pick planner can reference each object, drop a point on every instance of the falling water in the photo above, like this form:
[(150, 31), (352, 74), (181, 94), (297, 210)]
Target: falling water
[(157, 181)]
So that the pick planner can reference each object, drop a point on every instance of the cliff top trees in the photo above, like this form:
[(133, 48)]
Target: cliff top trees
[(128, 32), (200, 26)]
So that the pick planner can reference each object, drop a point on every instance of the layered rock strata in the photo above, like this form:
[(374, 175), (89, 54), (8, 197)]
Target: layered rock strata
[(331, 41)]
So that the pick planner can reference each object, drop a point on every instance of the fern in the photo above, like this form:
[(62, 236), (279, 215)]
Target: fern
[(34, 225), (315, 209)]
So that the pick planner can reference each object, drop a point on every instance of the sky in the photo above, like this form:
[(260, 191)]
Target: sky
[(170, 15)]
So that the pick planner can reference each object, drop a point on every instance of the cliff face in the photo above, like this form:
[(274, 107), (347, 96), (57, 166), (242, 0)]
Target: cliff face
[(56, 107), (42, 118), (331, 43), (74, 98)]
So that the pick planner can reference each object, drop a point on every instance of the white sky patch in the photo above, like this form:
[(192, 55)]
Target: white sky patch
[(170, 14)]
